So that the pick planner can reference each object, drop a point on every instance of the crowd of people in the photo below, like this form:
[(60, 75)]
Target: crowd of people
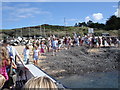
[(8, 67), (8, 63), (55, 44), (8, 53)]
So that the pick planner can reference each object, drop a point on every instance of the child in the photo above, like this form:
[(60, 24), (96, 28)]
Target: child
[(36, 55), (54, 46), (42, 48), (7, 67), (44, 83), (26, 53), (59, 44), (4, 62)]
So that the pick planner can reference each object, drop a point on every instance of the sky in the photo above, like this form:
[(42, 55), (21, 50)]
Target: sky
[(23, 14)]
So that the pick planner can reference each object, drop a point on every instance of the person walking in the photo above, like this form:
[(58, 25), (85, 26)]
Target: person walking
[(54, 46), (36, 55)]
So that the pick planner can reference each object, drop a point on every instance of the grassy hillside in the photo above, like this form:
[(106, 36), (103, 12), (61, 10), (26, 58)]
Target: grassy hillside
[(47, 30)]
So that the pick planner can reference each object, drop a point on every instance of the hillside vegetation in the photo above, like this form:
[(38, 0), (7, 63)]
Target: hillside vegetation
[(47, 30), (112, 26)]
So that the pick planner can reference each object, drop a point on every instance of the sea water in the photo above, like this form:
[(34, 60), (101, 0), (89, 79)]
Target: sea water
[(92, 80)]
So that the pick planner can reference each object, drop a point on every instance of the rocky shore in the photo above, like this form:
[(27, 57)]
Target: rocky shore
[(78, 61), (81, 60)]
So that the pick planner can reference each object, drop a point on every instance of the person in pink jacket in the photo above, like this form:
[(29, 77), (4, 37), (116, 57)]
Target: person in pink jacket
[(3, 69), (4, 61)]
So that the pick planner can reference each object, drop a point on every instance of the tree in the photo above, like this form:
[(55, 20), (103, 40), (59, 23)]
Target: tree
[(90, 23), (76, 25), (82, 24), (113, 23)]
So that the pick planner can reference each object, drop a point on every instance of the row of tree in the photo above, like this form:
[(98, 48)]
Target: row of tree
[(113, 23)]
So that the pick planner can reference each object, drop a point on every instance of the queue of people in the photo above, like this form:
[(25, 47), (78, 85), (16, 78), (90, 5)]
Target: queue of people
[(55, 44)]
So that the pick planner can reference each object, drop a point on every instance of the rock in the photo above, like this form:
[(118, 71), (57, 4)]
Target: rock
[(78, 61)]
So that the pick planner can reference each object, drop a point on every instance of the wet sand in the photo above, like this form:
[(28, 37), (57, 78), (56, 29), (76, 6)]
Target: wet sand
[(78, 61)]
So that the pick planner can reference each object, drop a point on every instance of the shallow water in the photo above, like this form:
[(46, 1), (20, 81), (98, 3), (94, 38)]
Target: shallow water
[(92, 80)]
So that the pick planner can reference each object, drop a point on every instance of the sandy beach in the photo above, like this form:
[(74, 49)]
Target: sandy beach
[(77, 61)]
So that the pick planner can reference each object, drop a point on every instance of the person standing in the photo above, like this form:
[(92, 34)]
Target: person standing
[(26, 53), (42, 48), (108, 41), (12, 52), (7, 68), (99, 41), (48, 44), (36, 53), (103, 41), (4, 62), (54, 46), (59, 44)]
